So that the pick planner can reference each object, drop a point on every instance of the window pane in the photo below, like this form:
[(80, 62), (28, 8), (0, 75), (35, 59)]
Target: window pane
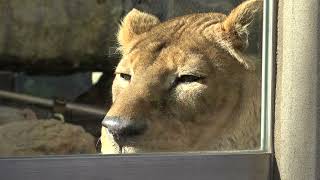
[(175, 76)]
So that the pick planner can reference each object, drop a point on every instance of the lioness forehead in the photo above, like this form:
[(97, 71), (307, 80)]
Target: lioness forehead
[(174, 42), (177, 30)]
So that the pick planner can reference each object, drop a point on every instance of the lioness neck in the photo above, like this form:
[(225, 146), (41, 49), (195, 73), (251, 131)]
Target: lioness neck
[(243, 131), (242, 128)]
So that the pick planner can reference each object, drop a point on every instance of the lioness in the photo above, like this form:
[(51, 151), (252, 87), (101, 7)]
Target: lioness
[(184, 84)]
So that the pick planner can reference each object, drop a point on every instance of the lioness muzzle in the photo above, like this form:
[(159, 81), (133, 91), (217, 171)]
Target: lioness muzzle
[(122, 128)]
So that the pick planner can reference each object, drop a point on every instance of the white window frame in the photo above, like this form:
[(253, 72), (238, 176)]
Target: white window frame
[(255, 164)]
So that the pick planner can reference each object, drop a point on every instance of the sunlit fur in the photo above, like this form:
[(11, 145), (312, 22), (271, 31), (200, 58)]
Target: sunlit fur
[(219, 112)]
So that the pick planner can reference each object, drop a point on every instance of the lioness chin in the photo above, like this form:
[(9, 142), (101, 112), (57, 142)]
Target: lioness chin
[(184, 84)]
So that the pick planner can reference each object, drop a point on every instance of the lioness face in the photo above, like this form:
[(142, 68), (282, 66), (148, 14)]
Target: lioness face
[(178, 85)]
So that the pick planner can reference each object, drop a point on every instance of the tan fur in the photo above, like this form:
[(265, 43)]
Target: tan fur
[(219, 112)]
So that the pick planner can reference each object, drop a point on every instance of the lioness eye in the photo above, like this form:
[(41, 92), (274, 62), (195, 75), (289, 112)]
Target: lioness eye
[(188, 79), (126, 77)]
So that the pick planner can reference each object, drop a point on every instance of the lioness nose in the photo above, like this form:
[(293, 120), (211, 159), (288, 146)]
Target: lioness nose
[(123, 128)]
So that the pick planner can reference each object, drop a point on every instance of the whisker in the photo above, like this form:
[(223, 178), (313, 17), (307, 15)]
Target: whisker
[(98, 142)]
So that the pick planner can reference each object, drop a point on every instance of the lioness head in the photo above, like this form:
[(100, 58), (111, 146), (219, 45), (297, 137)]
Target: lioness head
[(184, 84)]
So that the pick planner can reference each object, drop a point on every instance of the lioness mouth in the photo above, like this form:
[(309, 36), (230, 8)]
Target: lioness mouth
[(127, 146), (114, 146)]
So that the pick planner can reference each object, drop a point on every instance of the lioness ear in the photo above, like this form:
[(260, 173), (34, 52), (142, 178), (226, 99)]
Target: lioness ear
[(135, 23), (233, 32)]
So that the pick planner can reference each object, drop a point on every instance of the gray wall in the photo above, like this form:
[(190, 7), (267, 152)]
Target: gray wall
[(296, 122)]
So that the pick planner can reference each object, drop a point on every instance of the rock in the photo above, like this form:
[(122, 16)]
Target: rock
[(57, 34), (165, 9), (44, 137), (9, 115)]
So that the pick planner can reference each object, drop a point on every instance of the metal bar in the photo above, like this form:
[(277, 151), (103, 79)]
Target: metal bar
[(84, 108), (26, 98), (50, 103), (268, 76)]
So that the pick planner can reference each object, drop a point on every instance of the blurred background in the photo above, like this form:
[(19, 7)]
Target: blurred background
[(57, 59)]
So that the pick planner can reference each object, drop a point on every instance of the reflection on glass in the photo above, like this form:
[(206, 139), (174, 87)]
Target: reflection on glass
[(186, 81)]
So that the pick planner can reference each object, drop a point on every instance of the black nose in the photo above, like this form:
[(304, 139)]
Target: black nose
[(122, 129)]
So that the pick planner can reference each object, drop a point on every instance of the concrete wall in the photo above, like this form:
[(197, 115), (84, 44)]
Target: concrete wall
[(296, 94)]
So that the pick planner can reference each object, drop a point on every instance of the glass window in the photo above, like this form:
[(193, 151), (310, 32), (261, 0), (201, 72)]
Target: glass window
[(187, 90), (175, 76)]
